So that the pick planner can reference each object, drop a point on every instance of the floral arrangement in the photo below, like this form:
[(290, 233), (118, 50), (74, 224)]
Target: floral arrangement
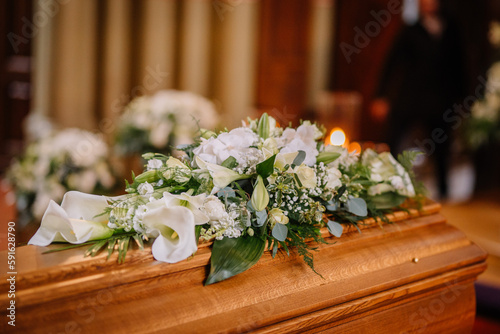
[(484, 124), (59, 161), (253, 188), (165, 119)]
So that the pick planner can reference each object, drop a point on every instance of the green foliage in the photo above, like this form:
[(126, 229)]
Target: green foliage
[(232, 256)]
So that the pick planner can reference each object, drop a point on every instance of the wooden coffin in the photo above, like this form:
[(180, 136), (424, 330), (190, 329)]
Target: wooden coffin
[(414, 275)]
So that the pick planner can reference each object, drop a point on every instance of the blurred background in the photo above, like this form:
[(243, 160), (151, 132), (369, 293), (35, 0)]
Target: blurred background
[(80, 63)]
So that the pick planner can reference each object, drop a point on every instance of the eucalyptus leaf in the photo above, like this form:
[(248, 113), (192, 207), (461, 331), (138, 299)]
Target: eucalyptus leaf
[(226, 193), (280, 232), (357, 206), (232, 256), (299, 159), (266, 167), (332, 206), (387, 200), (335, 228), (261, 218)]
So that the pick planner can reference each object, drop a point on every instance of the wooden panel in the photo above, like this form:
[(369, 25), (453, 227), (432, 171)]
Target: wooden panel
[(359, 70), (17, 28), (369, 280), (282, 67)]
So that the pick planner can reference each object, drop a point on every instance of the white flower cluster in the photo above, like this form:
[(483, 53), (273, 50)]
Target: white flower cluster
[(224, 221), (388, 173), (70, 159), (237, 143), (168, 117)]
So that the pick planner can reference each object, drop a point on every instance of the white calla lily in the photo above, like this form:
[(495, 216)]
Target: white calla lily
[(193, 203), (221, 176), (174, 231), (283, 159), (77, 220)]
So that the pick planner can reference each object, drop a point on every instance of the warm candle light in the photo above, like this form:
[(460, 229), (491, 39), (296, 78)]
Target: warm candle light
[(337, 137)]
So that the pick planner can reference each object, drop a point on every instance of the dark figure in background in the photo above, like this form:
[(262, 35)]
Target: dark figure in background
[(423, 77)]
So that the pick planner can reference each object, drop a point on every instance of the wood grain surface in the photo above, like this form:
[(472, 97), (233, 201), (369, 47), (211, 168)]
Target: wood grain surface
[(371, 282)]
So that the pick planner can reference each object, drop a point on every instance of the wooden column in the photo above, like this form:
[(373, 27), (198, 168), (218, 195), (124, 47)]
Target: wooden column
[(233, 77), (195, 46), (115, 55), (75, 59), (283, 58), (158, 46)]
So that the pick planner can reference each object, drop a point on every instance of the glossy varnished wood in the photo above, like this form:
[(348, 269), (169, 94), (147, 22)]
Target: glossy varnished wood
[(371, 282)]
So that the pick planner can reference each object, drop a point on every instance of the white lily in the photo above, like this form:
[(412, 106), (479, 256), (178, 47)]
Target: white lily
[(221, 176), (76, 221), (283, 159), (306, 175), (174, 231), (193, 203)]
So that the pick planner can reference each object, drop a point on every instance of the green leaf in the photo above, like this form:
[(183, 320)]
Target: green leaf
[(335, 228), (95, 248), (197, 232), (138, 240), (261, 218), (299, 159), (327, 157), (230, 162), (332, 206), (122, 248), (357, 206), (280, 232), (266, 167), (232, 256), (226, 192), (111, 247), (387, 200)]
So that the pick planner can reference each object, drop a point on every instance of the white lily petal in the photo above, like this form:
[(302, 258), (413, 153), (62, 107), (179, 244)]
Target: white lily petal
[(223, 176), (162, 222), (54, 221), (85, 206), (75, 221), (193, 203), (283, 159)]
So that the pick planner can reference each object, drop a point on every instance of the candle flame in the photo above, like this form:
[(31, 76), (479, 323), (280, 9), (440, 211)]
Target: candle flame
[(337, 137)]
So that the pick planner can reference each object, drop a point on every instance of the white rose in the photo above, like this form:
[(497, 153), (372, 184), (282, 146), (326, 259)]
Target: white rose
[(214, 208), (154, 164), (145, 189), (306, 175), (333, 178)]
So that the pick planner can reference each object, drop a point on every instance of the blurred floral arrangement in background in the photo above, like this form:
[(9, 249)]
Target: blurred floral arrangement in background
[(54, 162), (483, 127), (162, 121)]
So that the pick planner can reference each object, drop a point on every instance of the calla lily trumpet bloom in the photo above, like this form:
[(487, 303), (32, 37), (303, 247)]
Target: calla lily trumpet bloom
[(193, 203), (78, 220), (174, 231), (260, 196)]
